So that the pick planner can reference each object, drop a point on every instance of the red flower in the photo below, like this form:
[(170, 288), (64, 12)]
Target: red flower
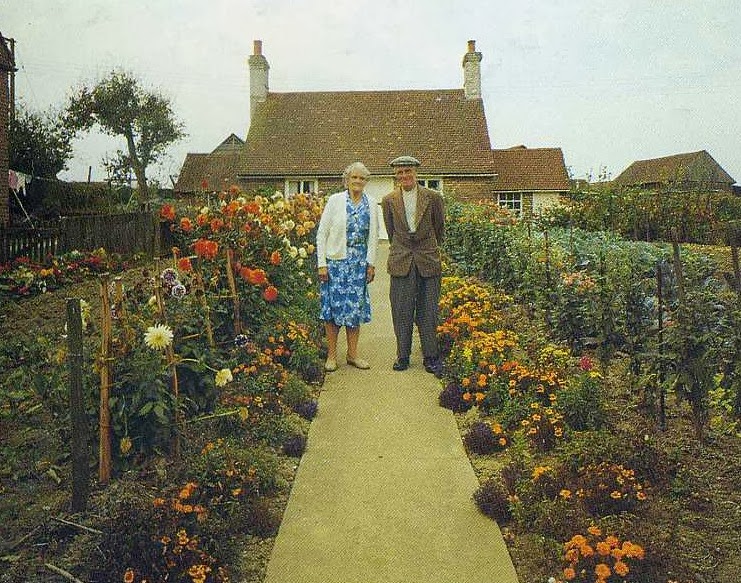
[(585, 363), (184, 264), (204, 184), (275, 257), (186, 224), (270, 294), (167, 212), (216, 224), (205, 248)]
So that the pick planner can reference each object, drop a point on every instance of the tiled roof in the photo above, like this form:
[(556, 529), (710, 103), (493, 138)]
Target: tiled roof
[(530, 169), (691, 167), (319, 133), (232, 142), (218, 169)]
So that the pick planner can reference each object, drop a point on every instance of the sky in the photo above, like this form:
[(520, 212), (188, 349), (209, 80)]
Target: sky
[(607, 81)]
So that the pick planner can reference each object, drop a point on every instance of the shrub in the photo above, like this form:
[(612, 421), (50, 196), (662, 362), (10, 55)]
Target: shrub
[(451, 397), (593, 558), (295, 445), (609, 488), (295, 391), (485, 438), (581, 402), (492, 499), (307, 409)]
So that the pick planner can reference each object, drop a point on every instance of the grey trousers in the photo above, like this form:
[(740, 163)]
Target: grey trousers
[(414, 300)]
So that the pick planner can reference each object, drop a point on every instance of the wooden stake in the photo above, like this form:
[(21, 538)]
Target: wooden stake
[(170, 352), (200, 291), (104, 453), (233, 289), (80, 446)]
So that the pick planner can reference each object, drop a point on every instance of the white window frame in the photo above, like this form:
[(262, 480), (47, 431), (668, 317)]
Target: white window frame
[(512, 201), (303, 182), (425, 181)]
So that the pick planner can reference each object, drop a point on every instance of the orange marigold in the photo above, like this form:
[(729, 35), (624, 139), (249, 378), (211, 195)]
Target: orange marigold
[(602, 571), (270, 294), (620, 568), (569, 573), (186, 224), (167, 212), (128, 576)]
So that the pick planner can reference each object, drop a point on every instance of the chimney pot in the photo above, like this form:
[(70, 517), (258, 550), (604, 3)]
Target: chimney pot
[(258, 47), (472, 46)]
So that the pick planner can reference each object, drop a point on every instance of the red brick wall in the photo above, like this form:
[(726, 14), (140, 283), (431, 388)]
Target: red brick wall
[(4, 118)]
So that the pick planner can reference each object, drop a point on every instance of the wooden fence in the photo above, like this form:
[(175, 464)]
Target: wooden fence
[(126, 233)]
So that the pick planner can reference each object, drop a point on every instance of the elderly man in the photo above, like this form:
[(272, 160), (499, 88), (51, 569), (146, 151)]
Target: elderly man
[(415, 223)]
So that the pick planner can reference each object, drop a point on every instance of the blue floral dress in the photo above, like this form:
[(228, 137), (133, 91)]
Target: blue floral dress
[(344, 298)]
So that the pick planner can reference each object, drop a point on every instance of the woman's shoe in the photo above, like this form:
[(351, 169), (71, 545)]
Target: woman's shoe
[(330, 365), (358, 363)]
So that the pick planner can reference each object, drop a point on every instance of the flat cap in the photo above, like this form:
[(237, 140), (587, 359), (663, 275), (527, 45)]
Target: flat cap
[(404, 161)]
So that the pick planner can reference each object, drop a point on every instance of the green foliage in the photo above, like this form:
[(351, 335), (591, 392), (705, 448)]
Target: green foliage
[(582, 402), (119, 106), (38, 144)]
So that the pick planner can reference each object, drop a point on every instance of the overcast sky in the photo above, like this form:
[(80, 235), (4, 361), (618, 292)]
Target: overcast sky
[(608, 81)]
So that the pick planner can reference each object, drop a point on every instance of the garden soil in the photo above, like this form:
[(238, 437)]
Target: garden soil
[(384, 490)]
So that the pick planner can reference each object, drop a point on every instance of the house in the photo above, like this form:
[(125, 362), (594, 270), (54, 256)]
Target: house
[(7, 69), (215, 171), (691, 171), (302, 141), (530, 180)]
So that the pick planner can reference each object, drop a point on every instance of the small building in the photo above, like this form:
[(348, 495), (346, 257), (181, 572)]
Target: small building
[(530, 180), (212, 172), (691, 171)]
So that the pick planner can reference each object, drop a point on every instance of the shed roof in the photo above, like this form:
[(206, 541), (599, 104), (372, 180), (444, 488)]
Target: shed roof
[(699, 167), (530, 169)]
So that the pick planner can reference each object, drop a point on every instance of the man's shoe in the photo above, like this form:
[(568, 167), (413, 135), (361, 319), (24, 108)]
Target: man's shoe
[(401, 364), (434, 366)]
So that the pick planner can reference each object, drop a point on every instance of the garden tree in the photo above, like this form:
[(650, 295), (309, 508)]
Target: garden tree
[(119, 106), (38, 144)]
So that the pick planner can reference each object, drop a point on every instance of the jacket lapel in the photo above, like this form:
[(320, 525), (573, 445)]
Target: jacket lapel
[(423, 200), (399, 210)]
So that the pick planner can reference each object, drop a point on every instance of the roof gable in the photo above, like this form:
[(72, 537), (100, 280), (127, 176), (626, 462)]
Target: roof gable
[(217, 170), (695, 167), (319, 133), (231, 142), (526, 169)]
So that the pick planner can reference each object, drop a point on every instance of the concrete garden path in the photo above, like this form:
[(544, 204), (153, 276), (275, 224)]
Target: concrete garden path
[(383, 491)]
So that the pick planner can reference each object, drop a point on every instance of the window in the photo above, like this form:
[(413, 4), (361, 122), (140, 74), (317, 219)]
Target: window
[(433, 183), (511, 201), (304, 186)]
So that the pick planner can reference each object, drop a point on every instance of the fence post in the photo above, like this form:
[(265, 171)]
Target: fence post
[(80, 446), (104, 455)]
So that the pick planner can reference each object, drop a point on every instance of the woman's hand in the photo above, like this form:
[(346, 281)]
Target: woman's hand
[(323, 274), (370, 273)]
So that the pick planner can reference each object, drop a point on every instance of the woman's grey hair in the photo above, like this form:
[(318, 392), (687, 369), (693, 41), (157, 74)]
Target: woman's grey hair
[(354, 167)]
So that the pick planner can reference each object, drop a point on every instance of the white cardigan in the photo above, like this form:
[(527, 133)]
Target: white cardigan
[(331, 235)]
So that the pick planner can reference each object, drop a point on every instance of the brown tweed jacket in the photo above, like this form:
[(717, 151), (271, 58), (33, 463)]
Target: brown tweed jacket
[(421, 247)]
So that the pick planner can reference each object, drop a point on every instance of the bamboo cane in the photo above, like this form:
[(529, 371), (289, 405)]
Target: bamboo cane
[(104, 450), (200, 291), (170, 352), (233, 289)]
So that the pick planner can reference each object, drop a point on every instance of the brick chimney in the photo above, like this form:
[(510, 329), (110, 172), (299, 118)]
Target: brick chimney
[(472, 72), (258, 77)]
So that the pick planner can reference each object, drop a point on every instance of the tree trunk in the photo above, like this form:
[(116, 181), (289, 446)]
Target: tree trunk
[(139, 172)]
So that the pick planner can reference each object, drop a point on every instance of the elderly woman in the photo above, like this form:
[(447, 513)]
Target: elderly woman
[(346, 243)]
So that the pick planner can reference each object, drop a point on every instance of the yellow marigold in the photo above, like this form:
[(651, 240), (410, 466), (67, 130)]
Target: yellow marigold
[(565, 494), (503, 441), (224, 377), (466, 381), (601, 570), (616, 495), (125, 445), (480, 397)]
